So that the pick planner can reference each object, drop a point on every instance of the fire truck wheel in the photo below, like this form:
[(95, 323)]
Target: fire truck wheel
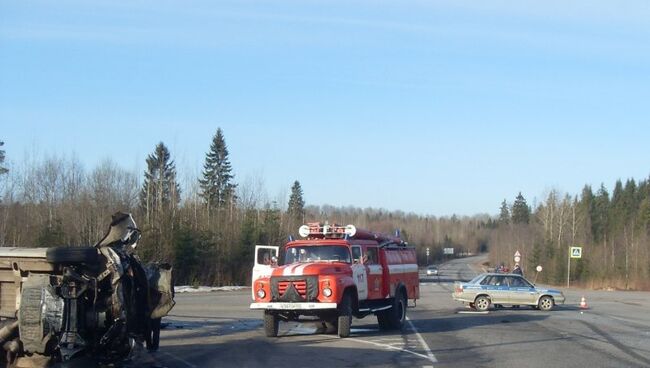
[(397, 314), (271, 324), (345, 316)]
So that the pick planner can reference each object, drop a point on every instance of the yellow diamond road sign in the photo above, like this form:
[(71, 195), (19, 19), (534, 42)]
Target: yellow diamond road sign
[(576, 252)]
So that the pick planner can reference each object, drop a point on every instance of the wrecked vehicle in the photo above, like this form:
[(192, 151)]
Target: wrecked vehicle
[(60, 303)]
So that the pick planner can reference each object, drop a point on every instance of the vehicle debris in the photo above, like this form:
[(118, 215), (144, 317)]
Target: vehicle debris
[(61, 303)]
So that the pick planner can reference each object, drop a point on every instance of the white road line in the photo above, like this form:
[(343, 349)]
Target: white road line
[(430, 355), (180, 360), (390, 347)]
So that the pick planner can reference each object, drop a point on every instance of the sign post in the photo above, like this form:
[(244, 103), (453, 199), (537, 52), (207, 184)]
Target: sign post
[(574, 252)]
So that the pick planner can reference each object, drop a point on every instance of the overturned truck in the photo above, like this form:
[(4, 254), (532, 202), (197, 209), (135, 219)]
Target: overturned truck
[(60, 303)]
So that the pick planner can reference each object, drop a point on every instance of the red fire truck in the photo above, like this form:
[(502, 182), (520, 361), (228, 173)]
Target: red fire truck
[(334, 273)]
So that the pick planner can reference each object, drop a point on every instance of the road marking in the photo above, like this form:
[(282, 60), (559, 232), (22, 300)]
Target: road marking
[(472, 312), (390, 347), (180, 360), (430, 355)]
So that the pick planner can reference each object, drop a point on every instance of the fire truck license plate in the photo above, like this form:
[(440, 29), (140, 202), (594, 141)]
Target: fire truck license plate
[(289, 306)]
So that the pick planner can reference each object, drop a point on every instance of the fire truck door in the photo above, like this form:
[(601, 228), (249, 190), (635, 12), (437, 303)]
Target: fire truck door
[(266, 257), (375, 273), (359, 273)]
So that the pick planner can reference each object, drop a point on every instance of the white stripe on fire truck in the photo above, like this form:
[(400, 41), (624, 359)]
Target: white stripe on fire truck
[(403, 268), (296, 270)]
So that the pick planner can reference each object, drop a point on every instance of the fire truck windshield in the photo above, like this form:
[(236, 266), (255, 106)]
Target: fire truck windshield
[(316, 253)]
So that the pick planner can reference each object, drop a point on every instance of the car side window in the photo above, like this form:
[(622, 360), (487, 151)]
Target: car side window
[(493, 281), (518, 282)]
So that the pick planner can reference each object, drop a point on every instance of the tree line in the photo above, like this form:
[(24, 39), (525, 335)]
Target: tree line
[(208, 226), (612, 229)]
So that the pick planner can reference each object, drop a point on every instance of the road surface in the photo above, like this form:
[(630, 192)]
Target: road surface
[(217, 330)]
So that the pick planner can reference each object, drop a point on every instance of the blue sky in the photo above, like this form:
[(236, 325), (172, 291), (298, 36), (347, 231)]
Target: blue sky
[(431, 107)]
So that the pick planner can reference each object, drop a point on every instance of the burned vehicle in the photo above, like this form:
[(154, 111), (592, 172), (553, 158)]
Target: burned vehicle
[(60, 303)]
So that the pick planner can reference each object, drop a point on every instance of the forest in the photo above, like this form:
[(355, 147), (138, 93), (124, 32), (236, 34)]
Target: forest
[(208, 226)]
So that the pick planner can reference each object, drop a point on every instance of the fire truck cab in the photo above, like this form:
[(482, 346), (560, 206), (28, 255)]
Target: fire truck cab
[(335, 273)]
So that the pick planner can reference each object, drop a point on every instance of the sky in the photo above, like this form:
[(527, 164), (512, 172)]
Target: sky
[(431, 107)]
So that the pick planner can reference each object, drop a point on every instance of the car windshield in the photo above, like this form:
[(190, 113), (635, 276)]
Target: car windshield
[(316, 253)]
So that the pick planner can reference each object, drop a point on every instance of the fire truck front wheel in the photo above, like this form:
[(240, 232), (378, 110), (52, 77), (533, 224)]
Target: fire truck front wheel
[(345, 316), (271, 324)]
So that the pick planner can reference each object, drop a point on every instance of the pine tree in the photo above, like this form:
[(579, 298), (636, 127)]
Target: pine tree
[(3, 170), (160, 191), (217, 189), (520, 210), (599, 214), (504, 216), (296, 208)]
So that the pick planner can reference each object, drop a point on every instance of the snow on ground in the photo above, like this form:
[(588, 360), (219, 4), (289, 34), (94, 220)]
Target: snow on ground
[(206, 289)]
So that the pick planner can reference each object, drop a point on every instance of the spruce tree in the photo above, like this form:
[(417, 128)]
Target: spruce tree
[(160, 190), (3, 170), (216, 184), (296, 208), (504, 216), (600, 214), (520, 211)]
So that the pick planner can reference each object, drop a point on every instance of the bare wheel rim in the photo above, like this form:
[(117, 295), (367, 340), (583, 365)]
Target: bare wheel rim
[(482, 303)]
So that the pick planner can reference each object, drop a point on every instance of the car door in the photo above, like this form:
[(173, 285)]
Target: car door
[(266, 257), (497, 288), (521, 291)]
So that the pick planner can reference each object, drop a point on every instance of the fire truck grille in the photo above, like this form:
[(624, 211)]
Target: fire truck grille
[(294, 288), (299, 285)]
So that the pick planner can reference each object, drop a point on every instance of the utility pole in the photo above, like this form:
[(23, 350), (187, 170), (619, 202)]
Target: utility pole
[(568, 267)]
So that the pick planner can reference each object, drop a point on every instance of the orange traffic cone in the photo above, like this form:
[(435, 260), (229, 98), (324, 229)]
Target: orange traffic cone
[(583, 303)]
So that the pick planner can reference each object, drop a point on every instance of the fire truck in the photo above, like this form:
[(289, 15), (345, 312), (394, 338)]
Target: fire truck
[(332, 274)]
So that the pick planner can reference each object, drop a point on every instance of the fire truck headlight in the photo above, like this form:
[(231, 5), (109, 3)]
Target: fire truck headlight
[(327, 292), (261, 293)]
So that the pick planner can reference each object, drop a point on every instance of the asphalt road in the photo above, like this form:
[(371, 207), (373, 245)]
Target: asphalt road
[(217, 330)]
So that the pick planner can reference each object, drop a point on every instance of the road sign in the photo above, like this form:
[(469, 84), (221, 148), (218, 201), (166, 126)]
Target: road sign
[(539, 268), (517, 254), (517, 259), (576, 252), (448, 250)]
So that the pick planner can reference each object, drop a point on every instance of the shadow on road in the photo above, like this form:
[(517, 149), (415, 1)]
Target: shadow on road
[(468, 321)]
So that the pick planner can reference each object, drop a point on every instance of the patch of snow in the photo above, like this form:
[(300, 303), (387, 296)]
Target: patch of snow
[(206, 289)]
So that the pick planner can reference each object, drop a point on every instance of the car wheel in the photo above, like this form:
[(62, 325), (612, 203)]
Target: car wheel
[(545, 303), (72, 255), (345, 316), (271, 324), (482, 303)]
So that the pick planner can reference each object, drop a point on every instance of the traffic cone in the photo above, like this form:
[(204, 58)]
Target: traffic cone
[(583, 303)]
